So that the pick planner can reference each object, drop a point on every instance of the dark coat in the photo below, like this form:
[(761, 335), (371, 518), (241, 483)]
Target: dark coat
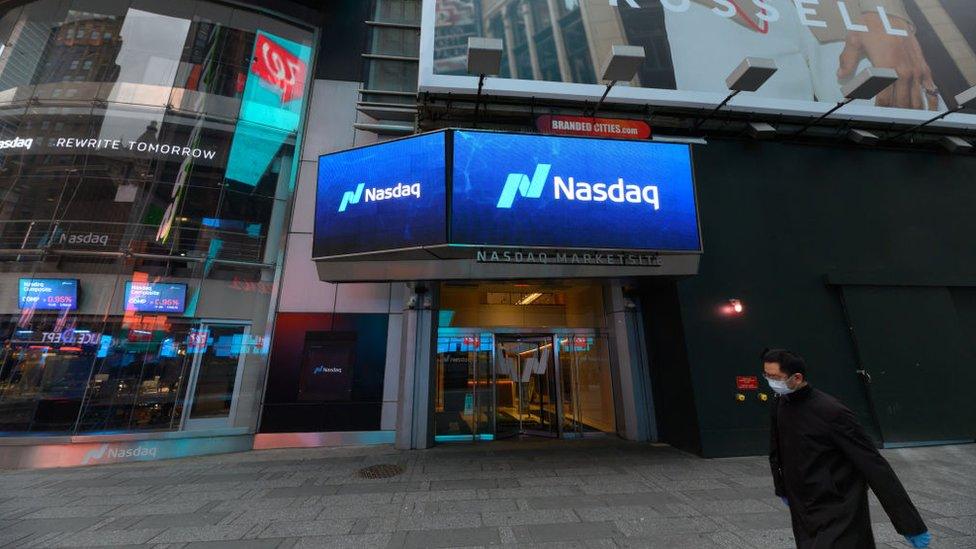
[(823, 462)]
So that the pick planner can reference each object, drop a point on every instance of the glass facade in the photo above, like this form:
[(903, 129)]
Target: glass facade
[(147, 152)]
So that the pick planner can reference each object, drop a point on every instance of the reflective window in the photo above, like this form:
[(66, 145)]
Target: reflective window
[(146, 143)]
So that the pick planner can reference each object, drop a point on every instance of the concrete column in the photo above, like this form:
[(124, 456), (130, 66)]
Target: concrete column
[(530, 39), (557, 36), (417, 348), (634, 399), (510, 47)]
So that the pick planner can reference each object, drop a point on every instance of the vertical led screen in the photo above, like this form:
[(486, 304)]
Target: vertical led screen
[(382, 197), (568, 192)]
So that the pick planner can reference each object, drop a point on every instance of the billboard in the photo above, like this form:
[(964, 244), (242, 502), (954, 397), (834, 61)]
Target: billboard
[(557, 49), (48, 294), (461, 193), (381, 197), (518, 190)]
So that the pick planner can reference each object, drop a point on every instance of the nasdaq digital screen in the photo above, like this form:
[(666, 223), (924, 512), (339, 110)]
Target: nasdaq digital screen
[(381, 197), (48, 294), (149, 297), (568, 192)]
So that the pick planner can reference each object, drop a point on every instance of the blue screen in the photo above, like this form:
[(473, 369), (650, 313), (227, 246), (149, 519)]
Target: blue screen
[(569, 192), (382, 197), (48, 294), (147, 297)]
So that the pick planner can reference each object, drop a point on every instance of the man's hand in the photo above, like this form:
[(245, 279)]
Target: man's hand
[(902, 53), (920, 541)]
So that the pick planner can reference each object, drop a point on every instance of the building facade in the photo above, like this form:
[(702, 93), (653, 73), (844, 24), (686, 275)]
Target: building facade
[(175, 279)]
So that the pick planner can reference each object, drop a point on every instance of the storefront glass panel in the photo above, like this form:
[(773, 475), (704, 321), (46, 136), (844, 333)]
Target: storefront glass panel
[(130, 160)]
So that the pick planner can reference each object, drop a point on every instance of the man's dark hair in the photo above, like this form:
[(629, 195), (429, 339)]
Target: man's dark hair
[(789, 363)]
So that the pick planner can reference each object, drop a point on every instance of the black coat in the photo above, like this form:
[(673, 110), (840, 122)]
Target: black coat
[(823, 462)]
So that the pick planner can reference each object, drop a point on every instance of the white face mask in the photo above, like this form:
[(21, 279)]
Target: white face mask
[(779, 386)]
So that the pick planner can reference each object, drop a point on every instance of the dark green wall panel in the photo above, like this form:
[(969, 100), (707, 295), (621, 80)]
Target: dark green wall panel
[(777, 218)]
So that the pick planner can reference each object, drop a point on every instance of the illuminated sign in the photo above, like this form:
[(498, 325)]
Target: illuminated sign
[(155, 297), (385, 196), (523, 190), (48, 294), (509, 198)]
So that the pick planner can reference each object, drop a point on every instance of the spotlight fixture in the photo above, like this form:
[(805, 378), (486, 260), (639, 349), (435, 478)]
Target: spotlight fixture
[(955, 144), (862, 137), (761, 130), (735, 306)]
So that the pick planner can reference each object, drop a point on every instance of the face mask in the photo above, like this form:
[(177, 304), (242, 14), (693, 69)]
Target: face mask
[(779, 387)]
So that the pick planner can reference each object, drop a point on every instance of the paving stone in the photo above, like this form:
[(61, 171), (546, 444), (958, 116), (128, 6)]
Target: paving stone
[(529, 516), (241, 544), (70, 511), (103, 538), (662, 526), (451, 537), (361, 541), (45, 525), (472, 483), (439, 521), (201, 533), (381, 488), (616, 513), (302, 528), (963, 525), (179, 519), (563, 532)]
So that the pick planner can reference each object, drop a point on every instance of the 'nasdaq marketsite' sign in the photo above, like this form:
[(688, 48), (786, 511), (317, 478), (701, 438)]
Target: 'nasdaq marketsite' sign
[(496, 198)]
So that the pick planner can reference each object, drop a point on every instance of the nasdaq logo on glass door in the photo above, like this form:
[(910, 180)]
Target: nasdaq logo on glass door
[(571, 188)]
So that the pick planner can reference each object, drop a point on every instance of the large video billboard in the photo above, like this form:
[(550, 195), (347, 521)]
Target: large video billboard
[(454, 192), (693, 45), (538, 191), (381, 197)]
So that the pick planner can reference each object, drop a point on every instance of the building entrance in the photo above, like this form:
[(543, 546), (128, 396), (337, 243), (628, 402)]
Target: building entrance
[(504, 385)]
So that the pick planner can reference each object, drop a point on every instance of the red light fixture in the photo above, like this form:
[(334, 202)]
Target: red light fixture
[(735, 306)]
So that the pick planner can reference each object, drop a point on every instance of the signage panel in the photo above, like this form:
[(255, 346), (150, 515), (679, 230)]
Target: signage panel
[(693, 45), (149, 297), (48, 294), (566, 192), (382, 197), (587, 126)]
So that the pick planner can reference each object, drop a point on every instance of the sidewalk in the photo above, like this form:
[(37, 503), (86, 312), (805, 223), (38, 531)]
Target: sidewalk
[(604, 493)]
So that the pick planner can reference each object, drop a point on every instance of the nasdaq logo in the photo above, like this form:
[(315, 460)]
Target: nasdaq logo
[(570, 188), (376, 194), (351, 197), (521, 184)]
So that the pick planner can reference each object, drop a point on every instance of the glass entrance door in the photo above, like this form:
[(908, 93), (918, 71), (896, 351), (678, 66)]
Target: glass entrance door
[(463, 395), (586, 386), (529, 362), (504, 385), (218, 353)]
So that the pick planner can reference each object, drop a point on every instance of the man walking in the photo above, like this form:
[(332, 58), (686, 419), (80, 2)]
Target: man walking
[(823, 462)]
